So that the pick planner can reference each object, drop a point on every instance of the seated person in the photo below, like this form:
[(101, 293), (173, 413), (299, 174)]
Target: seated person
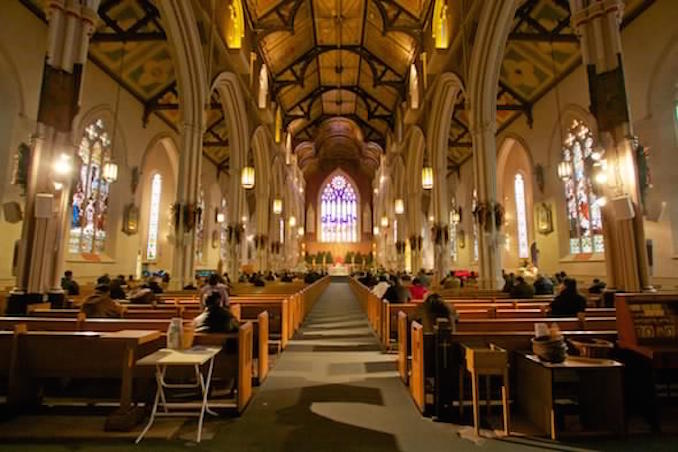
[(543, 285), (434, 308), (214, 286), (286, 277), (569, 302), (117, 292), (154, 286), (142, 295), (417, 290), (382, 286), (424, 278), (521, 289), (270, 276), (396, 293), (452, 282), (215, 318), (104, 279), (69, 285), (100, 304), (597, 287), (509, 281)]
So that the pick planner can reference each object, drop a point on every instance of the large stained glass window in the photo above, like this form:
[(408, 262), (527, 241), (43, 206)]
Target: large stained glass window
[(583, 212), (153, 218), (521, 216), (338, 211), (89, 206)]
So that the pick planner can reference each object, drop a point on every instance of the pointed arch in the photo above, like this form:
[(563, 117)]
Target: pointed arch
[(339, 204)]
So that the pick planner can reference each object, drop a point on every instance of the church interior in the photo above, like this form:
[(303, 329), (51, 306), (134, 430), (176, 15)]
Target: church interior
[(357, 225)]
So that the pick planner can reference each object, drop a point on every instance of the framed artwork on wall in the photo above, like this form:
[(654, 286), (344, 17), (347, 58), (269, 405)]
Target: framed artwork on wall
[(544, 218)]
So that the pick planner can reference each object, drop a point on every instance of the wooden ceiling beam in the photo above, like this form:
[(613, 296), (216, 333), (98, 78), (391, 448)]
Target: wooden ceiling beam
[(543, 37), (127, 36)]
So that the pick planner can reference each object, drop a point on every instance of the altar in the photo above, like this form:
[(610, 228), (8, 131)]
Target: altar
[(338, 270)]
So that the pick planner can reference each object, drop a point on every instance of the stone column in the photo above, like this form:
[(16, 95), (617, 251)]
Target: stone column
[(400, 242), (441, 228), (183, 264), (414, 227), (597, 23), (236, 229), (261, 238), (485, 172), (71, 25)]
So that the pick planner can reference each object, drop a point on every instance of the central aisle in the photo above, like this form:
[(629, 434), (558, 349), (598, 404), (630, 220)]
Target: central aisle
[(332, 389)]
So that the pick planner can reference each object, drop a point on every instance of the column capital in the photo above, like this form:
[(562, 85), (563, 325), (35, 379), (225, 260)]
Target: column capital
[(582, 14)]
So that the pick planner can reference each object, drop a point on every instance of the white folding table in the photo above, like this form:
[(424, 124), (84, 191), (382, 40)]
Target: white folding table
[(195, 357)]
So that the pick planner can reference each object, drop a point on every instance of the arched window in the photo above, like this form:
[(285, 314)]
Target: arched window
[(200, 228), (338, 211), (414, 87), (223, 232), (583, 212), (235, 25), (521, 216), (440, 27), (90, 196), (153, 218), (278, 125), (263, 87), (474, 205)]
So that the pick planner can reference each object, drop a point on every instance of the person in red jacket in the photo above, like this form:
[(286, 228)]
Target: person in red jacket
[(417, 290)]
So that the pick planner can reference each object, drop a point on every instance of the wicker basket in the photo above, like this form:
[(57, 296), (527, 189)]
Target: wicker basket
[(593, 348), (550, 349)]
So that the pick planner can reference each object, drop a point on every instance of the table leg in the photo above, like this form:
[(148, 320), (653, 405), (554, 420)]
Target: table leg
[(476, 402), (158, 391), (461, 394), (488, 396), (161, 386), (201, 382), (204, 398), (505, 402)]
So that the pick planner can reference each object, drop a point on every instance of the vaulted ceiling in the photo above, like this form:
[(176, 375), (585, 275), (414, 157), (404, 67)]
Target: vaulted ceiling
[(347, 58), (542, 49), (330, 58)]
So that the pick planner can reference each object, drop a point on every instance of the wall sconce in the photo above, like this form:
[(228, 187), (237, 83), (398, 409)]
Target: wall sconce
[(247, 177), (244, 218), (62, 165), (277, 206), (375, 230), (292, 221), (110, 172), (565, 170), (300, 231), (220, 217), (455, 217), (384, 221), (399, 206)]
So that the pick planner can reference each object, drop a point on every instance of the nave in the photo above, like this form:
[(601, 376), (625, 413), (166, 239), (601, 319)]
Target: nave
[(333, 389)]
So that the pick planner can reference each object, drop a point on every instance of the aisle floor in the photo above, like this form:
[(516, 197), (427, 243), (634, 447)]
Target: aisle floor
[(331, 390)]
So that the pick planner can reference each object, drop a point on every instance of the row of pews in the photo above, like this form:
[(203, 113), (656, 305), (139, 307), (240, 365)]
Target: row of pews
[(56, 344), (437, 373)]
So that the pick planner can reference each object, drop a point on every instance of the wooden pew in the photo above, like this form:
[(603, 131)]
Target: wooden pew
[(114, 326), (412, 363)]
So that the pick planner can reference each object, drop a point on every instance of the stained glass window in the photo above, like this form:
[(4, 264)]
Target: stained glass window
[(89, 205), (583, 212), (223, 232), (200, 228), (153, 218), (338, 211), (521, 216), (474, 205)]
